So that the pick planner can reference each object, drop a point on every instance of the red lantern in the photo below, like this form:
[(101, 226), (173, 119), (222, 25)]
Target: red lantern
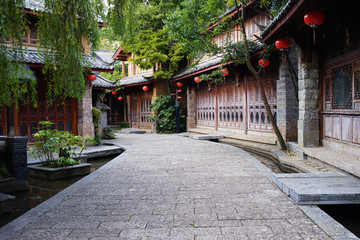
[(114, 93), (145, 88), (225, 72), (197, 79), (120, 98), (314, 18), (179, 84), (282, 44), (264, 62), (105, 100), (91, 77)]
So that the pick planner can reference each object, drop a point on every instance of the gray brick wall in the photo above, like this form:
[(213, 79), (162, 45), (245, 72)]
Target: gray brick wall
[(288, 107), (308, 124)]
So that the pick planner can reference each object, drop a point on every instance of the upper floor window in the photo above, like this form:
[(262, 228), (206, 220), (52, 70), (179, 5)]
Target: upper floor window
[(31, 35)]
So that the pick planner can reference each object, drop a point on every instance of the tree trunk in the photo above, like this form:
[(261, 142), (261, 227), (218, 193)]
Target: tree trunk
[(258, 79)]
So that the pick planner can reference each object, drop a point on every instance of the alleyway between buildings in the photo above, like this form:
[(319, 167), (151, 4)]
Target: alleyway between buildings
[(169, 187)]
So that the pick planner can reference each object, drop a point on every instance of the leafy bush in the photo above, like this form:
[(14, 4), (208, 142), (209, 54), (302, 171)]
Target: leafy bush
[(96, 120), (108, 133), (51, 141), (4, 173), (164, 116)]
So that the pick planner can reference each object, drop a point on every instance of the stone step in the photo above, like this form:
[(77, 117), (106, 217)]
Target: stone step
[(6, 203), (319, 188), (206, 137)]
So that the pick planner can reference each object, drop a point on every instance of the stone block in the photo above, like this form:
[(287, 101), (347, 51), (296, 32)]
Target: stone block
[(17, 157)]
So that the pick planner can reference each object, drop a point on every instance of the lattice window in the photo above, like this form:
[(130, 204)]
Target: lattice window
[(357, 85), (341, 85)]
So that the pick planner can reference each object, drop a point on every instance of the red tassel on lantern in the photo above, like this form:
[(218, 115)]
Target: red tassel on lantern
[(314, 19)]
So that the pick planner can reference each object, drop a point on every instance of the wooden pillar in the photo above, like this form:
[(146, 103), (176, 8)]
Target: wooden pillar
[(216, 107), (246, 105)]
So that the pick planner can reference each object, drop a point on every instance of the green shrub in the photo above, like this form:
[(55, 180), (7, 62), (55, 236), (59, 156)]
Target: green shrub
[(108, 133), (164, 115), (96, 120), (51, 141), (4, 173)]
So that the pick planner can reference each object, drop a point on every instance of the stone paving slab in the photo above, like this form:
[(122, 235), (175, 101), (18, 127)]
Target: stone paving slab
[(169, 187), (319, 188), (206, 137)]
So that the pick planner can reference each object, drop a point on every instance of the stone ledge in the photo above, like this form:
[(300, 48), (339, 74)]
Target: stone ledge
[(39, 171), (319, 188), (338, 160)]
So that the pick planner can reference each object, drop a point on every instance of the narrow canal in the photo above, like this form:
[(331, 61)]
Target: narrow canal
[(40, 190)]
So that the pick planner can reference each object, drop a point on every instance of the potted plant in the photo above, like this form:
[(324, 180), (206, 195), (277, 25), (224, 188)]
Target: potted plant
[(57, 152)]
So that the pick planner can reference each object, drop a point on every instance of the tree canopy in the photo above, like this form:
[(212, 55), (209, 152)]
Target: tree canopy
[(63, 26), (12, 24), (140, 26)]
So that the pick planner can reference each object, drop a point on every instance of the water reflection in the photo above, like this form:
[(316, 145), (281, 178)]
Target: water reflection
[(40, 190)]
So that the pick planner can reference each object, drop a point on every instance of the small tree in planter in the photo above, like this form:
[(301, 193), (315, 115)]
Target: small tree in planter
[(51, 141)]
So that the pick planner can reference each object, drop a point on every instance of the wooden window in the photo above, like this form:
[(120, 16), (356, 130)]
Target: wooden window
[(31, 35)]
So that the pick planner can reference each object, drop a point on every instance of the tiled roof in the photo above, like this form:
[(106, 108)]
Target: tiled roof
[(282, 13), (202, 65), (104, 56), (32, 56), (135, 80), (34, 5), (101, 82), (38, 6)]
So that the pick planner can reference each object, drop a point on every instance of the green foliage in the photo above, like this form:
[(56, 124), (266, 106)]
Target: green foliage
[(215, 76), (108, 133), (96, 120), (4, 173), (108, 40), (51, 141), (15, 86), (236, 52), (189, 24), (164, 116), (117, 74), (64, 26), (140, 25)]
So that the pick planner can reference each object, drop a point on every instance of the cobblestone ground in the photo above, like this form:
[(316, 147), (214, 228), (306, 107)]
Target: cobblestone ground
[(172, 187)]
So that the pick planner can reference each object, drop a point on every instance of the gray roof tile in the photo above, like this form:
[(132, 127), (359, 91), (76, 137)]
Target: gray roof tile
[(202, 65), (32, 56), (102, 82)]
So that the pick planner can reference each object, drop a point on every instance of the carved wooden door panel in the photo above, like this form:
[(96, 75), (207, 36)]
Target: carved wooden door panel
[(231, 106), (59, 112), (205, 107), (134, 111), (258, 119), (145, 109)]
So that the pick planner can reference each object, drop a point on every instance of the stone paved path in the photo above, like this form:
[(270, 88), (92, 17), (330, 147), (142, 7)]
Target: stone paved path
[(169, 187)]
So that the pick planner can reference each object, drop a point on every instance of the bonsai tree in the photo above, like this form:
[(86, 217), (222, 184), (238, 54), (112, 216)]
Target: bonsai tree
[(50, 142)]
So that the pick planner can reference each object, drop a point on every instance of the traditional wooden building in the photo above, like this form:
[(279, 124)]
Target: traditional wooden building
[(71, 115), (327, 39), (233, 108), (138, 90)]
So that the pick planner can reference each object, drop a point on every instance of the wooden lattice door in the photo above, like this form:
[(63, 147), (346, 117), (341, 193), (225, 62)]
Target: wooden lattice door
[(258, 120), (231, 106), (134, 111), (145, 102), (205, 107)]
